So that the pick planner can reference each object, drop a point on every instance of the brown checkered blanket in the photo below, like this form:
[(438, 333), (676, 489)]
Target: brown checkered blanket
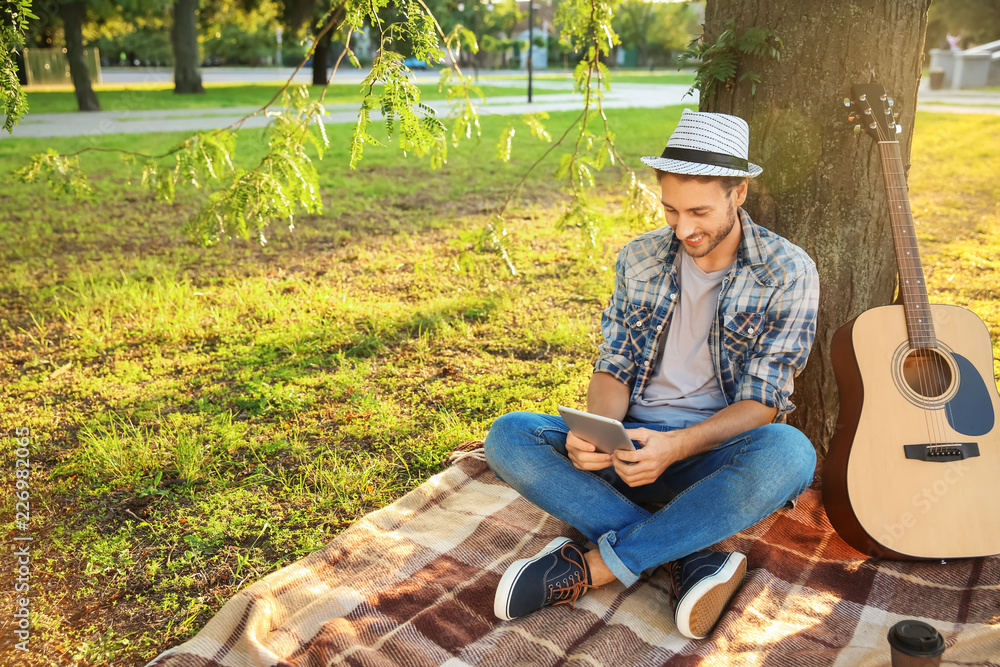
[(413, 584)]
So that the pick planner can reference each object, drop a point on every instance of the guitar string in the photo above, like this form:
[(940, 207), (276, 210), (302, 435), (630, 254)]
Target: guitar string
[(923, 340), (913, 332), (920, 324), (929, 372)]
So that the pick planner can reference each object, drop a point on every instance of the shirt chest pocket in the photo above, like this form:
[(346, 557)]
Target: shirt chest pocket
[(640, 295), (638, 318), (637, 325), (741, 330)]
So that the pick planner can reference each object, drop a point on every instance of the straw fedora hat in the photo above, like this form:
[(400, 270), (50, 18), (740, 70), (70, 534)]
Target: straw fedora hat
[(707, 144)]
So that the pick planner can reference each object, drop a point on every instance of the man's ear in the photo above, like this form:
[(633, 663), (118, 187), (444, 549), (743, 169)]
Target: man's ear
[(741, 191)]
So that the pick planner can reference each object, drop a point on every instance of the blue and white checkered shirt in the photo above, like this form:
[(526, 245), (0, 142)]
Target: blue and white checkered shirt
[(766, 315)]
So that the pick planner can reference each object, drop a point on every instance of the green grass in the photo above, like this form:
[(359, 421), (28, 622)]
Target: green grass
[(157, 96), (636, 76), (202, 417), (619, 75), (964, 104), (955, 200), (205, 416), (138, 97)]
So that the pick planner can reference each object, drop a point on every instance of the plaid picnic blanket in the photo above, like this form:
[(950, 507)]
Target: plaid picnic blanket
[(413, 583)]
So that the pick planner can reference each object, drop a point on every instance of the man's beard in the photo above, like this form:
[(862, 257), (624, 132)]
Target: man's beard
[(712, 240)]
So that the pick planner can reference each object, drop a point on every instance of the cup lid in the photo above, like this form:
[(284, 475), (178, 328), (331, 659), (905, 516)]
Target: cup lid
[(916, 638)]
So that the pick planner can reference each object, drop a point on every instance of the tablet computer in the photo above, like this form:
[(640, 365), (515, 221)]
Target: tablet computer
[(604, 433)]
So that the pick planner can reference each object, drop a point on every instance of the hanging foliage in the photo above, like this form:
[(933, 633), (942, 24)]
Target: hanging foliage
[(14, 17), (243, 203)]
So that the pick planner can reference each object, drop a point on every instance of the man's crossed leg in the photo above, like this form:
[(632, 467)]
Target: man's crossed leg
[(706, 498)]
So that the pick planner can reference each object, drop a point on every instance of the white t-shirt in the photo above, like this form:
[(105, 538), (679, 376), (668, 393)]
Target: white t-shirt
[(684, 389)]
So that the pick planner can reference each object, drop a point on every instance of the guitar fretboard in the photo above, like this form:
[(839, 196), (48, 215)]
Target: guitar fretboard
[(911, 274)]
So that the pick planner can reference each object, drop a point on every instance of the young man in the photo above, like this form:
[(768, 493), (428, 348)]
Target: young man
[(711, 318)]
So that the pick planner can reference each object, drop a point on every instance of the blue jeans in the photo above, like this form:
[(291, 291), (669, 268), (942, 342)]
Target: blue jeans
[(709, 497)]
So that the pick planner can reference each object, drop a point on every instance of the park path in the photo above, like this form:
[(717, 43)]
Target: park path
[(125, 121), (622, 95), (958, 101)]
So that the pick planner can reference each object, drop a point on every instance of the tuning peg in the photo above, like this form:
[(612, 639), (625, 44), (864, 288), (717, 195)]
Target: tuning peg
[(857, 129), (873, 125), (847, 101), (884, 97), (888, 111), (863, 98), (868, 111)]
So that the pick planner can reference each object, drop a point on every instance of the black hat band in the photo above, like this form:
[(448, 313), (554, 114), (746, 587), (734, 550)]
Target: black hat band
[(706, 157)]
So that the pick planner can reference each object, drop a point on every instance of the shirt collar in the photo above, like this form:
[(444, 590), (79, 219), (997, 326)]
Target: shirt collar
[(751, 247)]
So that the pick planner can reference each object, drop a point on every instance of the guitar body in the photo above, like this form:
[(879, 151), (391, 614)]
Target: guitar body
[(880, 501)]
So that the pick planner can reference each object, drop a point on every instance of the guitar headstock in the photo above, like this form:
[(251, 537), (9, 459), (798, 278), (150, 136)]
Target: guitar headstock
[(872, 111)]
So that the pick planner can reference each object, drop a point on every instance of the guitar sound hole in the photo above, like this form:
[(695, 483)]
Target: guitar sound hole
[(927, 373)]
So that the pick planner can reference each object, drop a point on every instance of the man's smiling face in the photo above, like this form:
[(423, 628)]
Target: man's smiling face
[(703, 216)]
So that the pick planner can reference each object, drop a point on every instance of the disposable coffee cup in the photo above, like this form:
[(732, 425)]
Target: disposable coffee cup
[(915, 644)]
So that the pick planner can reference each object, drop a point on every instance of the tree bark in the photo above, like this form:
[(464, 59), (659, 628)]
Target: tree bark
[(821, 187), (73, 15), (184, 40)]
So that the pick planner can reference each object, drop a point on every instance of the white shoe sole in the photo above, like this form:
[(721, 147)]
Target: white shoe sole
[(703, 605), (501, 601)]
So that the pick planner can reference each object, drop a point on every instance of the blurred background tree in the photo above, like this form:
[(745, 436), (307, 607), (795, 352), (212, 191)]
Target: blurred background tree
[(657, 31), (491, 22), (239, 32), (975, 21), (184, 40), (74, 14), (304, 21)]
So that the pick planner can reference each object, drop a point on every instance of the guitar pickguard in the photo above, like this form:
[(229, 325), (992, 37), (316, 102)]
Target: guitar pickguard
[(970, 412)]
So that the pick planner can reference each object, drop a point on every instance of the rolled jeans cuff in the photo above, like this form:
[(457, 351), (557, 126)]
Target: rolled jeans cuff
[(614, 563)]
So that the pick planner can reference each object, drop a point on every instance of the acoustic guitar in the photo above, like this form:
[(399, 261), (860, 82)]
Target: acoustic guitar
[(913, 468)]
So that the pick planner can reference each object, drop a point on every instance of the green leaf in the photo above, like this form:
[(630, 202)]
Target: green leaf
[(537, 129), (564, 165), (61, 172), (584, 174), (721, 61), (504, 145)]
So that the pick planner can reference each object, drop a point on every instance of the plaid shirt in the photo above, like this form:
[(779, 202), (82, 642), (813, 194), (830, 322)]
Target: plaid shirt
[(766, 319)]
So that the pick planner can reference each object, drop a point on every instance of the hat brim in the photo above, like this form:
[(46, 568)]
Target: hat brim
[(697, 168)]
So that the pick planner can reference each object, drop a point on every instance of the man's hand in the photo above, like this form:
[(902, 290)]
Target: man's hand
[(584, 455), (644, 466)]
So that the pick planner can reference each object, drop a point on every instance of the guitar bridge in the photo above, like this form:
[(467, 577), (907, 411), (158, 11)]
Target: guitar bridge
[(943, 452)]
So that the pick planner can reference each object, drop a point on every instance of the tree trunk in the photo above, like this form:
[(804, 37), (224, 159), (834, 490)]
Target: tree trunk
[(184, 40), (822, 187), (321, 57), (73, 15)]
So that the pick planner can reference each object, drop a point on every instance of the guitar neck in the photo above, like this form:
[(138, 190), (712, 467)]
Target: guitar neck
[(911, 274)]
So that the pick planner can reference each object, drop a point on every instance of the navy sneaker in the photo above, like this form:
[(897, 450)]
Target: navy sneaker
[(702, 584), (557, 575)]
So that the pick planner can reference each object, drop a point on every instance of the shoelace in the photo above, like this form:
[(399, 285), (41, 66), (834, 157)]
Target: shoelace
[(674, 570), (569, 590)]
